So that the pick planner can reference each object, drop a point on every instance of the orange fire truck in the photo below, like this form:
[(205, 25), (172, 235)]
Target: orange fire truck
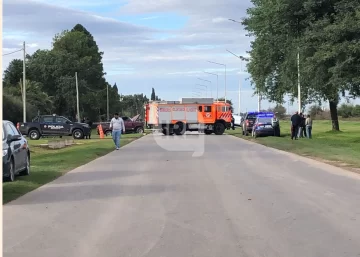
[(189, 114)]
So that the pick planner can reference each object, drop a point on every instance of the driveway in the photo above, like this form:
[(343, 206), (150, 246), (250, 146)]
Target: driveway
[(199, 196)]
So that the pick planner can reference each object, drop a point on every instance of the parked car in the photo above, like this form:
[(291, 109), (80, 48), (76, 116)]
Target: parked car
[(265, 125), (16, 152), (131, 125), (54, 125)]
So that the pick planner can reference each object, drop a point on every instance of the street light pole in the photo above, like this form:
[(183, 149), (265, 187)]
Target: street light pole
[(203, 86), (210, 84), (299, 85), (217, 83), (77, 97), (225, 74), (241, 60), (24, 83), (107, 103)]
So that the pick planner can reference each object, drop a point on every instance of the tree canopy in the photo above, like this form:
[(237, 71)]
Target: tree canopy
[(326, 36), (51, 87)]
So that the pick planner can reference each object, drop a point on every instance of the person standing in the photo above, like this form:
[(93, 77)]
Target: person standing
[(118, 127), (302, 126), (232, 122), (308, 123), (295, 123)]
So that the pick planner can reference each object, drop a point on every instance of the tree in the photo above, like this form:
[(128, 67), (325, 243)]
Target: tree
[(227, 101), (14, 73), (153, 96), (324, 33), (116, 88), (279, 110)]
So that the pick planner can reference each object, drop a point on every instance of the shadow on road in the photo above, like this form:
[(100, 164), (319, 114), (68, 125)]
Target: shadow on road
[(89, 176), (76, 193)]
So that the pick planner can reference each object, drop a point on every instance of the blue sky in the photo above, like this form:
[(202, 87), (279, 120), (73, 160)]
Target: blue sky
[(165, 44)]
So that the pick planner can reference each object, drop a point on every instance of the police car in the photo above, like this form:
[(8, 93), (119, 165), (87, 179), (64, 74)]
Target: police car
[(266, 124), (54, 125)]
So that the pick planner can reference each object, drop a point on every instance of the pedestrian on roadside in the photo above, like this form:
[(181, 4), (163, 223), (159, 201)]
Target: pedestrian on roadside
[(232, 122), (118, 127), (302, 126), (308, 123), (295, 123)]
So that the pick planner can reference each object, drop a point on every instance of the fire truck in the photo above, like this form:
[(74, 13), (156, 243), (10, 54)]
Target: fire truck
[(189, 114)]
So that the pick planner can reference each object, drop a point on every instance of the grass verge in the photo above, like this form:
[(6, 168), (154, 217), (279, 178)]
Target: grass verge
[(337, 148), (49, 164)]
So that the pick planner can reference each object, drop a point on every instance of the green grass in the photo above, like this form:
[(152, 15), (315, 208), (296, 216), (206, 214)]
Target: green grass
[(49, 164), (339, 148)]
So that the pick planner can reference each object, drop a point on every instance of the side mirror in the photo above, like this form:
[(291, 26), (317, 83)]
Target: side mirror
[(13, 138), (67, 122)]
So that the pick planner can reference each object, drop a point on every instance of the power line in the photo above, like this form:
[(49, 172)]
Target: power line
[(14, 52)]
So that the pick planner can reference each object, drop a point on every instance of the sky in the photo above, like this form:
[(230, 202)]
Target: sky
[(161, 44)]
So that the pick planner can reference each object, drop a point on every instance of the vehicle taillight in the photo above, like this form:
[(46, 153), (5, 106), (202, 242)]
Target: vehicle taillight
[(18, 125)]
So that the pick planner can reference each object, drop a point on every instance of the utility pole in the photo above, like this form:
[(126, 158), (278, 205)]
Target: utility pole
[(77, 98), (259, 102), (24, 83), (299, 86), (107, 102)]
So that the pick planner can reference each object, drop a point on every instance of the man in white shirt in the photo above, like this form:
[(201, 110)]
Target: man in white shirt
[(117, 125)]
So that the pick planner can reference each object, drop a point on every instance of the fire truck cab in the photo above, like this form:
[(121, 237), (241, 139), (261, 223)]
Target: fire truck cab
[(189, 114)]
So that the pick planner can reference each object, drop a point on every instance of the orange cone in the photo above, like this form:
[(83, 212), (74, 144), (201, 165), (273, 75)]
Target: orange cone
[(101, 132)]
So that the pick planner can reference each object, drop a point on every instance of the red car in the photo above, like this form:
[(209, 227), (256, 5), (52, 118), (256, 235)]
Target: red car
[(131, 125)]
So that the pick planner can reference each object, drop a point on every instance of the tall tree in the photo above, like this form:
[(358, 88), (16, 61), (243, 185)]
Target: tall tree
[(325, 34), (14, 73), (153, 95)]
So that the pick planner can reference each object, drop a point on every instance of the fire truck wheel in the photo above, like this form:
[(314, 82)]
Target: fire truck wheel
[(219, 128), (179, 129)]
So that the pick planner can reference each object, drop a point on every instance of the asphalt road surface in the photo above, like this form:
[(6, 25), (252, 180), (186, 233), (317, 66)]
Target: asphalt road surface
[(157, 198)]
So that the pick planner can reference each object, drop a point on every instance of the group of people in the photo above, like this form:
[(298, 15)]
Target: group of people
[(300, 126)]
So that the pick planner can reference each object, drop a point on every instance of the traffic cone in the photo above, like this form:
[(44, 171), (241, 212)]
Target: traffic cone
[(101, 132)]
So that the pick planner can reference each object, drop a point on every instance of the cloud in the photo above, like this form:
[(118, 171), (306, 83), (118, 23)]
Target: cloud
[(150, 18), (139, 57), (48, 19)]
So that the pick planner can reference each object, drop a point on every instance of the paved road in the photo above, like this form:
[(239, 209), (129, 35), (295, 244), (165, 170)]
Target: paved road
[(152, 198)]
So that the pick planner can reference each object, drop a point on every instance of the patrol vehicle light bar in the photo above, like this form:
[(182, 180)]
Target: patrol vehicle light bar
[(265, 115)]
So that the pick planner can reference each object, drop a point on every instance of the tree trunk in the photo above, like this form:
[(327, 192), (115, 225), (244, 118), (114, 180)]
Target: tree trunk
[(334, 116)]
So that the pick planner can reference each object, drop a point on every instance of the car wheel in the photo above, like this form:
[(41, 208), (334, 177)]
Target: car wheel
[(78, 134), (26, 171), (11, 177), (34, 134), (139, 130), (108, 133)]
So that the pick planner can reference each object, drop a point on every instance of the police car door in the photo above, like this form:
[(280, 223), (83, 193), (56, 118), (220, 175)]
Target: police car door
[(45, 124), (62, 125)]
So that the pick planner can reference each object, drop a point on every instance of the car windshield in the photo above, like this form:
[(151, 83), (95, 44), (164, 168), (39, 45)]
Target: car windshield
[(264, 120), (251, 116)]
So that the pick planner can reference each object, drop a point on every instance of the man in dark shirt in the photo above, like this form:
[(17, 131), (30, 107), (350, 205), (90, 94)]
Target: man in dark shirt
[(295, 123)]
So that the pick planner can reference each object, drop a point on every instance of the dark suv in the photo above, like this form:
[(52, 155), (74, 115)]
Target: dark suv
[(248, 122)]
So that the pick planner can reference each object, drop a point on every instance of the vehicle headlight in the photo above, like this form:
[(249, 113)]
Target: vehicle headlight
[(5, 152)]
